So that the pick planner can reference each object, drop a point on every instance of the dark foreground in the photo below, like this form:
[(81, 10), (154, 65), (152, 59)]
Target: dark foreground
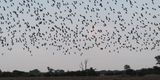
[(148, 77)]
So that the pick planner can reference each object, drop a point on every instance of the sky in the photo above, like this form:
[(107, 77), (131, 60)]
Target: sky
[(35, 34)]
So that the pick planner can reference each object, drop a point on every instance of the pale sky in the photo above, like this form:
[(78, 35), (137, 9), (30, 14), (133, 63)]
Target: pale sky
[(33, 30)]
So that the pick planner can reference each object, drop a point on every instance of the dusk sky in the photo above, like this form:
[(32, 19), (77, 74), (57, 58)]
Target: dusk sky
[(35, 34)]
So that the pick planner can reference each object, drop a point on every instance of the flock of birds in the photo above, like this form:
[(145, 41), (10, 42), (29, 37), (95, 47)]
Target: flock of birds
[(74, 26)]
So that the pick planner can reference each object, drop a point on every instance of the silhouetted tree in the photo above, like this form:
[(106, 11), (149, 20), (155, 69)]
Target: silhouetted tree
[(7, 74), (0, 73), (81, 66), (59, 72), (91, 72), (34, 72), (126, 67), (128, 70), (158, 59), (50, 71), (17, 73), (84, 65)]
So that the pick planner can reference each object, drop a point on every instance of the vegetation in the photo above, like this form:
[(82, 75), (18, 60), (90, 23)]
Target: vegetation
[(84, 71), (158, 59), (87, 72)]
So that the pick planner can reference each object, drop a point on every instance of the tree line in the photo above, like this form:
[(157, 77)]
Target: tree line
[(85, 71)]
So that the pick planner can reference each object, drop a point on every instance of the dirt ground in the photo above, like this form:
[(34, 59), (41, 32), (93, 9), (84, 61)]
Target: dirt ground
[(148, 77)]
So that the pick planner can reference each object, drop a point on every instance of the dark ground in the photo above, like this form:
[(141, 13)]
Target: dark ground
[(148, 77)]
